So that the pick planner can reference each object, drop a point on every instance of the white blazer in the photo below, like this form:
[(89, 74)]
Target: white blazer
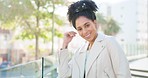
[(106, 59)]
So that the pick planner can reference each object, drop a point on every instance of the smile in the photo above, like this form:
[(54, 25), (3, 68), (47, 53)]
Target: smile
[(87, 36)]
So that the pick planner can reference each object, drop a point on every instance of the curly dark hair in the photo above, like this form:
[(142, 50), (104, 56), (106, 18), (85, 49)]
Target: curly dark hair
[(85, 8)]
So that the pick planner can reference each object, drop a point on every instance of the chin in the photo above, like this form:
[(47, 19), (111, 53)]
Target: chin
[(89, 40)]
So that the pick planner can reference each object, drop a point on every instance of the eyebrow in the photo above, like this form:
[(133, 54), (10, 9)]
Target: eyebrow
[(86, 23), (83, 25)]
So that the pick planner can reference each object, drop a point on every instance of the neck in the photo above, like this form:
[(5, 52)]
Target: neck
[(92, 42)]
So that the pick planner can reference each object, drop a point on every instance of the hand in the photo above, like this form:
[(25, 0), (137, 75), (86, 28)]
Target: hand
[(68, 36)]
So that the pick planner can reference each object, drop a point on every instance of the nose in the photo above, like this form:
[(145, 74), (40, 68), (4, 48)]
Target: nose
[(84, 31)]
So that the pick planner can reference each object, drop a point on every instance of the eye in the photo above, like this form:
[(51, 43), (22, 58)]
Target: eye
[(87, 25), (79, 29)]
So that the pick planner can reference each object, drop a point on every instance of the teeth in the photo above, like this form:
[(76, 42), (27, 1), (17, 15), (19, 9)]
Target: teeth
[(87, 35)]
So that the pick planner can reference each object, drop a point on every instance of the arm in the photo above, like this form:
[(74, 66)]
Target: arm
[(65, 65), (118, 58)]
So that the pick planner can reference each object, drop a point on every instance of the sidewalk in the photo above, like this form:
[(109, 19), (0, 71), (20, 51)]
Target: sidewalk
[(139, 68)]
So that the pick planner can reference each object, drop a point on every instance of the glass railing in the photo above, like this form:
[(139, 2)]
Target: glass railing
[(42, 68), (46, 66), (135, 51)]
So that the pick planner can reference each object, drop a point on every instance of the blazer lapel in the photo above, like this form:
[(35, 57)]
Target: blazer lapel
[(80, 58), (95, 51)]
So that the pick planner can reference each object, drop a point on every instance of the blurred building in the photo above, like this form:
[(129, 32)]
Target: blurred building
[(142, 21), (4, 37), (8, 52), (132, 16)]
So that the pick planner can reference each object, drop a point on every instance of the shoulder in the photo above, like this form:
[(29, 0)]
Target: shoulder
[(106, 38), (111, 42), (110, 39)]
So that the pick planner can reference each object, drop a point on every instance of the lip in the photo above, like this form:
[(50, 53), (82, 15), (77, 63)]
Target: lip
[(87, 36)]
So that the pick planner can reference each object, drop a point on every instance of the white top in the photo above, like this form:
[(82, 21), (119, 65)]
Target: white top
[(87, 54)]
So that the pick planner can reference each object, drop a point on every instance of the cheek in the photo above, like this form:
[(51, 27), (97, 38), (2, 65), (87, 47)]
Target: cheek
[(80, 33), (95, 28)]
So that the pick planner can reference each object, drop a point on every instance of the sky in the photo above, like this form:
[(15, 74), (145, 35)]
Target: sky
[(104, 1), (63, 13), (109, 1)]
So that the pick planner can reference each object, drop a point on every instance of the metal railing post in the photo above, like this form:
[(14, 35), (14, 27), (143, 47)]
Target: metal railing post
[(42, 67)]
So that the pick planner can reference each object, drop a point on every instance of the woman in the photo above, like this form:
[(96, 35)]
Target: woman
[(100, 57)]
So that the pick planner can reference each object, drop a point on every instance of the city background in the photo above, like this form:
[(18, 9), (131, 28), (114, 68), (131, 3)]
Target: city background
[(31, 33)]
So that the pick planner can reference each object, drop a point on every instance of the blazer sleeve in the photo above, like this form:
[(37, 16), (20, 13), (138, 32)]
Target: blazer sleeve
[(64, 64), (118, 59)]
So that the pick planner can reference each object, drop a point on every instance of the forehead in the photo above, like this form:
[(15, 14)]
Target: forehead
[(80, 21)]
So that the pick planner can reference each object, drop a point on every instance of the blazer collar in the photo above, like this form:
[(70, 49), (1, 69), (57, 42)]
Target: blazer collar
[(95, 51), (99, 38)]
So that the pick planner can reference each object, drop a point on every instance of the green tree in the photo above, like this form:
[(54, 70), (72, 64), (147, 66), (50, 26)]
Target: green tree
[(33, 17), (101, 19), (108, 25), (112, 27)]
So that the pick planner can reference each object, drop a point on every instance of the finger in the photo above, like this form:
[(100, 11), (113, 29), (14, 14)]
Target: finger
[(72, 33)]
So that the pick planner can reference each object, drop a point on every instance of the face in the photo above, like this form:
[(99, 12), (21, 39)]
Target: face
[(86, 28)]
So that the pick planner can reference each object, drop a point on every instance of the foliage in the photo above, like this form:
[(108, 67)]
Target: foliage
[(112, 28), (23, 13), (101, 19), (32, 17), (108, 25)]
